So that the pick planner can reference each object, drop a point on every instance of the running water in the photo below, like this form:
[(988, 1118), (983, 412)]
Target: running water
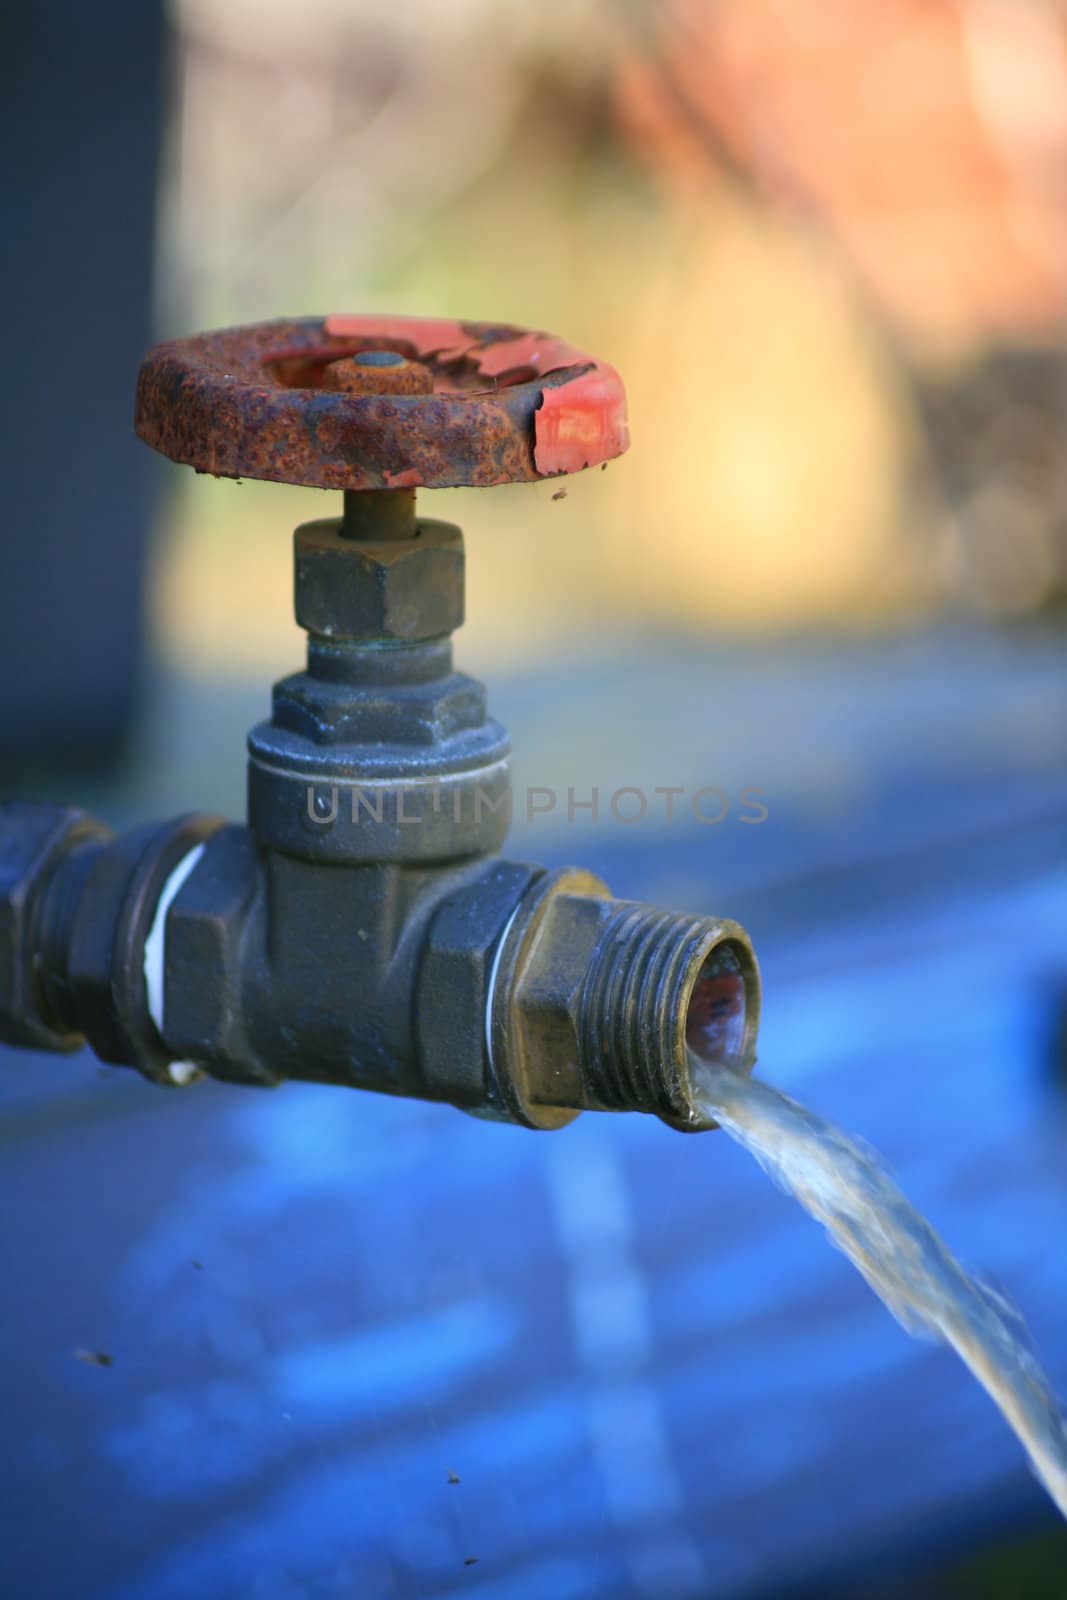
[(908, 1266)]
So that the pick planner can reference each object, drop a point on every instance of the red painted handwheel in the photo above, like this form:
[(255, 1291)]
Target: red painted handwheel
[(380, 402)]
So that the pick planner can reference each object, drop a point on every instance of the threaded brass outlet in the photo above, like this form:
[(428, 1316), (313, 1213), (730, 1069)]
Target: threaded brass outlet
[(598, 1002)]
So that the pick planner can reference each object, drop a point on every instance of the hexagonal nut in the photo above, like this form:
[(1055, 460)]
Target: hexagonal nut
[(416, 714), (454, 979), (547, 997), (203, 1013), (33, 838), (405, 589)]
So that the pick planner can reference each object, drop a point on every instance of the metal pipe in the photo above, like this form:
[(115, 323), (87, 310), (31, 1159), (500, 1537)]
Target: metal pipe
[(511, 992)]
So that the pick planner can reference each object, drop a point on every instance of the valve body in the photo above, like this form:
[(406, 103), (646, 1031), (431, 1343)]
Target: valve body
[(362, 929)]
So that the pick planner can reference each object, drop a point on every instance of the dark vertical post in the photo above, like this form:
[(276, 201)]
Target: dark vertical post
[(80, 120)]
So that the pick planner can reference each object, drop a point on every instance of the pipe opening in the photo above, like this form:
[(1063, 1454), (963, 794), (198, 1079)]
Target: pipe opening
[(716, 1019)]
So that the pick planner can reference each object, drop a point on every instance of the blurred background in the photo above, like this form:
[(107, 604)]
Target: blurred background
[(826, 247)]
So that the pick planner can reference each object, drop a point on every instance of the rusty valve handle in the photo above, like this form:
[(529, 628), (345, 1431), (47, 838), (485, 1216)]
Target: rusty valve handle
[(380, 402)]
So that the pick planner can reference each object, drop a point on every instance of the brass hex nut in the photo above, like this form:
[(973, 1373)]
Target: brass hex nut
[(402, 589), (454, 983), (550, 974)]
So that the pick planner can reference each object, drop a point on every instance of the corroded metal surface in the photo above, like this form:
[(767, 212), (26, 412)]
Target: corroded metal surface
[(504, 405)]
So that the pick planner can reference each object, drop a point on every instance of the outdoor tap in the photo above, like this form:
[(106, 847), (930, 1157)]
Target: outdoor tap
[(362, 928)]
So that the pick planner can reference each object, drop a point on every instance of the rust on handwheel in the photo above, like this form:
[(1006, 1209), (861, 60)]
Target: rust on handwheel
[(380, 402)]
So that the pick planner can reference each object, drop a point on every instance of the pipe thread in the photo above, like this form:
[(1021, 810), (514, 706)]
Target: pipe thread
[(632, 1009)]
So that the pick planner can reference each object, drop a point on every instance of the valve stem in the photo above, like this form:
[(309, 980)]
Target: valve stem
[(379, 514)]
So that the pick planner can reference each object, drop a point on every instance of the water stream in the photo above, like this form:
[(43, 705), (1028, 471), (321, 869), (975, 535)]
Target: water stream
[(843, 1185)]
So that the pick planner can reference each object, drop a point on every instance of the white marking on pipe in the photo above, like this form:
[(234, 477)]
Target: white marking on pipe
[(491, 991), (182, 1072)]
